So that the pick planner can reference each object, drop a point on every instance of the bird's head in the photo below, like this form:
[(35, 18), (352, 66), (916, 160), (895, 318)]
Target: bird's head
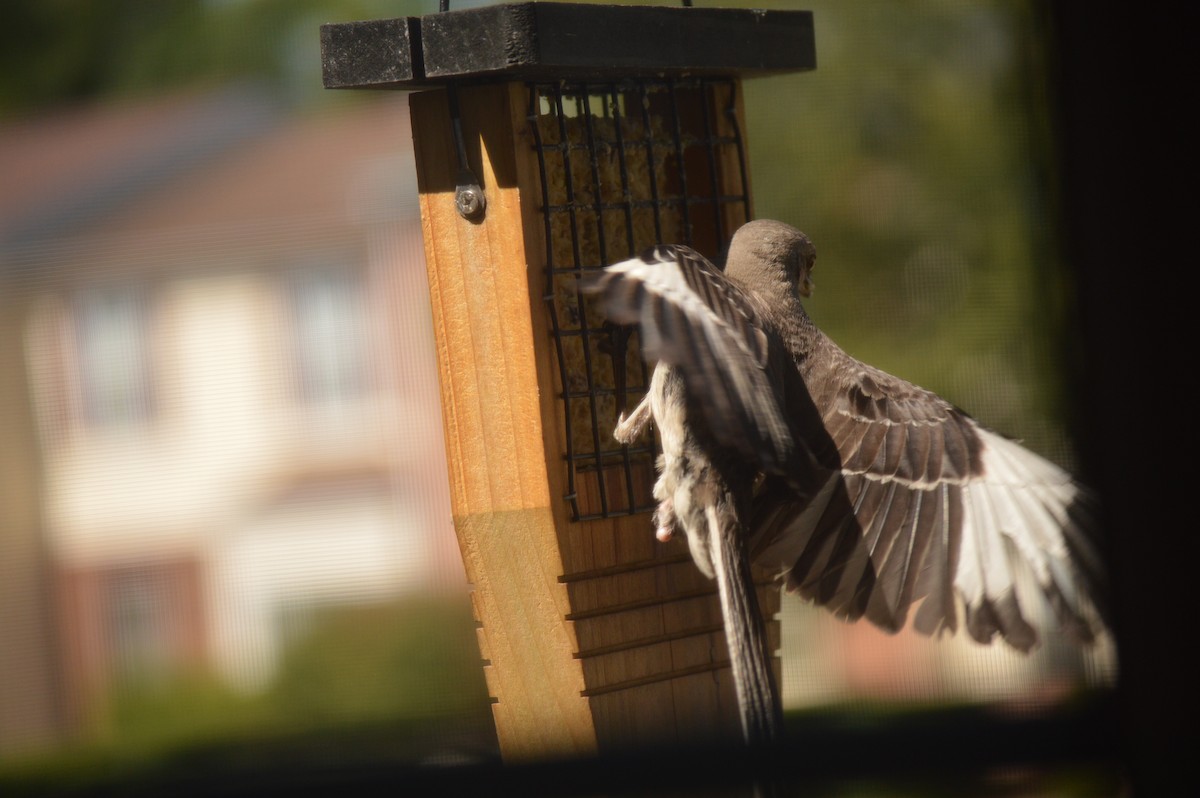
[(767, 255)]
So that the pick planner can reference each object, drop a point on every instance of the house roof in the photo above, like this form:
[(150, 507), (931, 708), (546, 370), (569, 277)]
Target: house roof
[(200, 161)]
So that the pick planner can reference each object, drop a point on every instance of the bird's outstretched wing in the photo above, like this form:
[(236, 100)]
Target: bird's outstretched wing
[(695, 319), (927, 506)]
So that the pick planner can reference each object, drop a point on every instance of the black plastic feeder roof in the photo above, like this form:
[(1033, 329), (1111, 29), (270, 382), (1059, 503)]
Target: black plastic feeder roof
[(551, 41)]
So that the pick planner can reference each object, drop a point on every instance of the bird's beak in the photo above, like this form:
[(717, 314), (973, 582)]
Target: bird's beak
[(806, 287)]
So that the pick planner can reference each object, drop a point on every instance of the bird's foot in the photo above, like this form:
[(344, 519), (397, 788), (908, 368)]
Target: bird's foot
[(664, 521)]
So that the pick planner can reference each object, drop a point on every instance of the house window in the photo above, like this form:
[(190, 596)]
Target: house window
[(137, 625), (330, 333), (113, 346)]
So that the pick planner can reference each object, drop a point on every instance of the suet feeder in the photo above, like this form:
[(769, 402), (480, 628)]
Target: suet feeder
[(552, 139)]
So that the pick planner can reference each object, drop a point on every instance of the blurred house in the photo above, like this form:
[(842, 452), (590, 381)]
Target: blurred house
[(220, 404)]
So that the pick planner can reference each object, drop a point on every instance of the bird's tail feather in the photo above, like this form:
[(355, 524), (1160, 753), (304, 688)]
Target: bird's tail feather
[(745, 635)]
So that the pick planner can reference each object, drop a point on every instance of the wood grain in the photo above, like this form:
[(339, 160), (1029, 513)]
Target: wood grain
[(500, 496), (595, 635)]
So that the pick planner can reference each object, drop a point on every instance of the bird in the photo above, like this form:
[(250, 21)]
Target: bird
[(864, 493)]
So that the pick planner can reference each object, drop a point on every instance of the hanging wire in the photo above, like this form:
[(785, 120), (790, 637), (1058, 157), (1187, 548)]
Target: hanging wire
[(444, 5)]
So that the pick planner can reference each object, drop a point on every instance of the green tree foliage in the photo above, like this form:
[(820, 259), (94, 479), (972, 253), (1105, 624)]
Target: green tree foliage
[(60, 51), (372, 683), (418, 659), (389, 667), (917, 156)]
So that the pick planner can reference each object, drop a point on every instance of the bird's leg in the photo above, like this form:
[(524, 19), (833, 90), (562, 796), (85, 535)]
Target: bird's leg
[(758, 701), (630, 427)]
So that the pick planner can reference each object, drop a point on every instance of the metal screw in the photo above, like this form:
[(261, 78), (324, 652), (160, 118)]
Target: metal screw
[(469, 201)]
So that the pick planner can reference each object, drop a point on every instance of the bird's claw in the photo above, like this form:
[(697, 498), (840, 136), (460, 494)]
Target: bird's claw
[(664, 521)]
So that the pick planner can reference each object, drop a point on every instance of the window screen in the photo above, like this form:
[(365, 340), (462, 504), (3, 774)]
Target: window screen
[(227, 514)]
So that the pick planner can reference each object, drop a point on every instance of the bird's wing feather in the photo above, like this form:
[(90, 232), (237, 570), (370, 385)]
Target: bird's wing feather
[(707, 328), (929, 507)]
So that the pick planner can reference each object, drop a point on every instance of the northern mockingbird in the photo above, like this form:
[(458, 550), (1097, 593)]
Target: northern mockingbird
[(868, 495)]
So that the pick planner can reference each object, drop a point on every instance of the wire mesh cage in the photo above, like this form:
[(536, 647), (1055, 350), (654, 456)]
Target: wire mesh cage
[(624, 166)]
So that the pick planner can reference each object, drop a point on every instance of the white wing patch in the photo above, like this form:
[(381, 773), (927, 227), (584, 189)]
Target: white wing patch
[(1015, 517)]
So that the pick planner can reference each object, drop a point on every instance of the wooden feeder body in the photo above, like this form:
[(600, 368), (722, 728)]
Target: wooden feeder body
[(594, 635)]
